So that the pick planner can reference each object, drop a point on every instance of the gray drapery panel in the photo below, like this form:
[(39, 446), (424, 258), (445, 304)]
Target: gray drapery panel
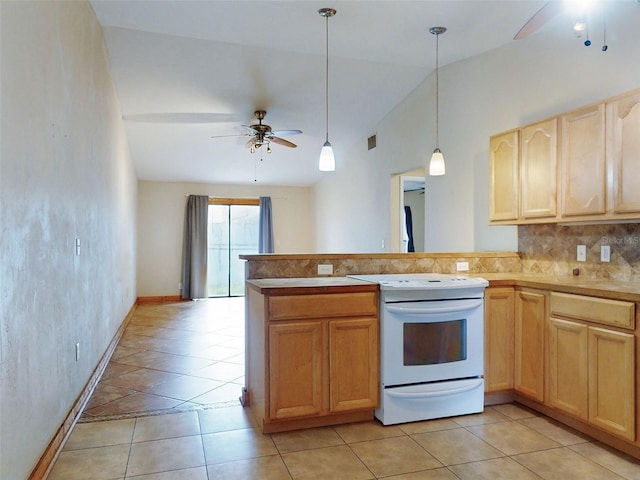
[(194, 248), (265, 235)]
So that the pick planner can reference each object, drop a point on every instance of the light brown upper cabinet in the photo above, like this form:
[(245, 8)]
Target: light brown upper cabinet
[(623, 135), (523, 171), (581, 166), (583, 162), (539, 169), (504, 173)]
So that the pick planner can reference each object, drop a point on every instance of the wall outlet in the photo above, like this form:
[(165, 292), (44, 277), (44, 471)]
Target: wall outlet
[(581, 253), (77, 246), (605, 253), (462, 266), (325, 269)]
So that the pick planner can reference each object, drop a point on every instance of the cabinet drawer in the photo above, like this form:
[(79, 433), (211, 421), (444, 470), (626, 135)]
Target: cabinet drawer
[(600, 310), (289, 307)]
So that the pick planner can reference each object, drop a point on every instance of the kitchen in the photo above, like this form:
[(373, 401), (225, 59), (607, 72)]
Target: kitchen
[(498, 90)]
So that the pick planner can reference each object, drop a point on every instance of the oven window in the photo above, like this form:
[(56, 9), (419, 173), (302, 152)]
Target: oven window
[(432, 343)]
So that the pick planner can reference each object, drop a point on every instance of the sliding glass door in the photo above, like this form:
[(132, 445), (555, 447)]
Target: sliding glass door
[(233, 231)]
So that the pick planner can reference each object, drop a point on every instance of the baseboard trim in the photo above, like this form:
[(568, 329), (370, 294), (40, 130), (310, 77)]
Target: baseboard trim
[(160, 299), (48, 458)]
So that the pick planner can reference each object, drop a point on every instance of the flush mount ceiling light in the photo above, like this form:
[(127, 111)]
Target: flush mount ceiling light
[(327, 160), (436, 164)]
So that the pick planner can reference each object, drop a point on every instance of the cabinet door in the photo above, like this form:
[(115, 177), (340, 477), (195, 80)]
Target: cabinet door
[(538, 169), (568, 367), (611, 381), (503, 171), (353, 364), (499, 338), (624, 148), (529, 344), (583, 160), (295, 369)]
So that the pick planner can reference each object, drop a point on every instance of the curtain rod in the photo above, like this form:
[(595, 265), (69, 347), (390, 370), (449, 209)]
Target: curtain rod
[(247, 198)]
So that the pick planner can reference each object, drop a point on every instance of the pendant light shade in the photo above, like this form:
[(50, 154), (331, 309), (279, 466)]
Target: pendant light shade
[(436, 164), (327, 161)]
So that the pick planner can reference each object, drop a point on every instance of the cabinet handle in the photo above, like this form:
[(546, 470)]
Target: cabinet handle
[(439, 393), (426, 308)]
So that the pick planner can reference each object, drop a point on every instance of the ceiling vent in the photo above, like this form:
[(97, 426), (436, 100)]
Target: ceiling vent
[(371, 142)]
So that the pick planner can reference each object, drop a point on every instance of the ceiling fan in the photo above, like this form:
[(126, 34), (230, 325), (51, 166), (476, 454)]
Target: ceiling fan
[(262, 134), (538, 19)]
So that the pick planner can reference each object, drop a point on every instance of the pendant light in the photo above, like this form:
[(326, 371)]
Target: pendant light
[(436, 165), (327, 160)]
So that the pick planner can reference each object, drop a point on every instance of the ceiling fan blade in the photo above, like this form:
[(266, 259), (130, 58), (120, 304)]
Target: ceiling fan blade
[(231, 135), (282, 141), (251, 129), (181, 117), (542, 16), (284, 133)]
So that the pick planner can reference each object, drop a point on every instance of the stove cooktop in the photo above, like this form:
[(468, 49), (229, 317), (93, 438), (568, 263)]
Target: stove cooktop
[(422, 281)]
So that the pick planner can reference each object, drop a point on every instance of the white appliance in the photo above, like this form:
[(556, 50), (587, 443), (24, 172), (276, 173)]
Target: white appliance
[(432, 346)]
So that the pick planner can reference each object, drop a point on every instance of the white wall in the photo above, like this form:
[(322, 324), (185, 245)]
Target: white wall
[(525, 81), (66, 173), (161, 208)]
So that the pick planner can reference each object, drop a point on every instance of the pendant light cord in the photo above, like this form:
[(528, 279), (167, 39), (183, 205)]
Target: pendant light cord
[(326, 83), (437, 96)]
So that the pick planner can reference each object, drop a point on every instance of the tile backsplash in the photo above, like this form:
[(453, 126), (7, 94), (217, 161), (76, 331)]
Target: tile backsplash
[(551, 249)]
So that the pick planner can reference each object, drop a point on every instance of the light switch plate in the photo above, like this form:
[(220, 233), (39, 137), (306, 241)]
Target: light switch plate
[(581, 253), (325, 269), (462, 266), (605, 253)]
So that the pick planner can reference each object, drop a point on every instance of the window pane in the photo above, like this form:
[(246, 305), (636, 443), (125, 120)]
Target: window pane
[(233, 231), (218, 253), (244, 241)]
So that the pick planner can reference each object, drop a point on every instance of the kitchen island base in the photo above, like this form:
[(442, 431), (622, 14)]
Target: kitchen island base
[(311, 352)]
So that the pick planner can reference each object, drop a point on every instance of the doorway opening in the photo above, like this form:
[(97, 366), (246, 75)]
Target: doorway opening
[(233, 226), (407, 190)]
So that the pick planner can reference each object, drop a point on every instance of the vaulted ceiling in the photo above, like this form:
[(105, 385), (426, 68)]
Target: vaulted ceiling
[(186, 71)]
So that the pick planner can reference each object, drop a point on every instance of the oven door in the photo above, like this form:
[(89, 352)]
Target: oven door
[(430, 341)]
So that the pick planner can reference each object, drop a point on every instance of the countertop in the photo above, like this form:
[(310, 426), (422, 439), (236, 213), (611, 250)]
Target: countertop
[(614, 289), (310, 285)]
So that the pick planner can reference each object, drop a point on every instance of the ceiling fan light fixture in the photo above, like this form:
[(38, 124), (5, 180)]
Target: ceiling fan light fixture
[(579, 26), (327, 162), (327, 159), (436, 164)]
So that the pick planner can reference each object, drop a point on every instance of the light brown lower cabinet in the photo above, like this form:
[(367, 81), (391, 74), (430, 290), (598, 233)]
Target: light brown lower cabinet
[(591, 368), (530, 320), (568, 367), (312, 360), (612, 381), (498, 338)]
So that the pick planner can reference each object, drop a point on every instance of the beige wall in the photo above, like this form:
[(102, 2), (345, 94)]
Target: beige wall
[(519, 83), (161, 223), (65, 174)]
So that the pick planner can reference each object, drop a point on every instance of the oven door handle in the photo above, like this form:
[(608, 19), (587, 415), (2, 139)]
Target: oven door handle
[(426, 307), (437, 393)]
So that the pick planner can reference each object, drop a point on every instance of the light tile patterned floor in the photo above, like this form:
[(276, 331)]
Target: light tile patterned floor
[(174, 357), (194, 440)]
